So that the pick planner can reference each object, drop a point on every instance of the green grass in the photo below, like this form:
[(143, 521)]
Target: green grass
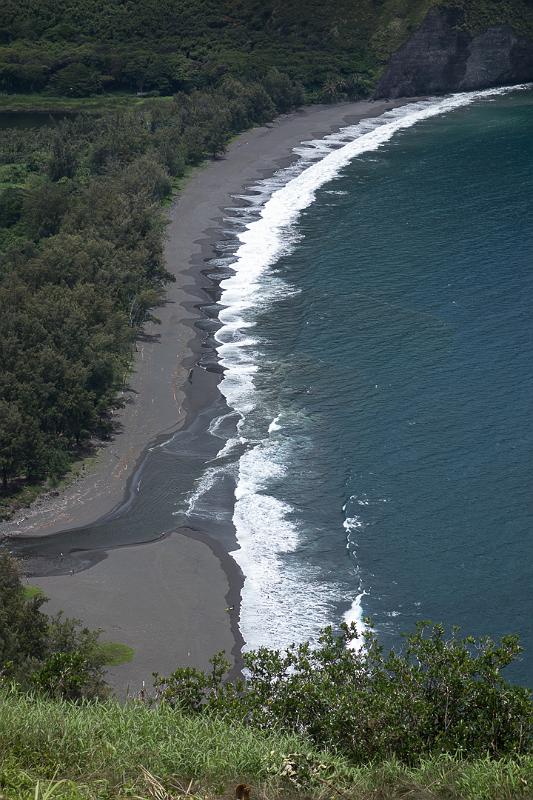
[(60, 750), (32, 591), (115, 653)]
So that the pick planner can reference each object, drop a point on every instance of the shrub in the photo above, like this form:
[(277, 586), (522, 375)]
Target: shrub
[(437, 695), (56, 656)]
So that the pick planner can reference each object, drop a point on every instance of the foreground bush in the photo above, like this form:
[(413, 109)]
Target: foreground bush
[(105, 750), (437, 695)]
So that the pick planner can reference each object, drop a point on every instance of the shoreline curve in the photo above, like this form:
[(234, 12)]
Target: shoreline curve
[(161, 401)]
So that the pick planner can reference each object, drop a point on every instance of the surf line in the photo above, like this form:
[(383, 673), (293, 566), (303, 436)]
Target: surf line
[(276, 602)]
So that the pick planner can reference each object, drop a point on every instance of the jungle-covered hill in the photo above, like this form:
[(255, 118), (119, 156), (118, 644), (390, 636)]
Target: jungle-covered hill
[(75, 47)]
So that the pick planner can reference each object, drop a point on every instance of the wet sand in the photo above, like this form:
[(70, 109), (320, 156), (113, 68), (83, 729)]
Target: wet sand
[(167, 599)]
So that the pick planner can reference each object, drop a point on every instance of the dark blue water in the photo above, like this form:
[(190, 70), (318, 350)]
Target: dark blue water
[(402, 374)]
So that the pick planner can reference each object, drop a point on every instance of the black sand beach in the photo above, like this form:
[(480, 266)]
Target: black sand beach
[(171, 594)]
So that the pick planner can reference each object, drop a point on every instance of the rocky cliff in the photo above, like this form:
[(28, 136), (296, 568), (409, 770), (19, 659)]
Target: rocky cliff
[(443, 57)]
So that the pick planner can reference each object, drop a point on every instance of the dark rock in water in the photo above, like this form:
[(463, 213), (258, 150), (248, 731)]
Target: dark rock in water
[(441, 57)]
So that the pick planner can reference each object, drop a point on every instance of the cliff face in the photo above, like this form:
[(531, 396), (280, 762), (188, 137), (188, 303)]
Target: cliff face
[(441, 58)]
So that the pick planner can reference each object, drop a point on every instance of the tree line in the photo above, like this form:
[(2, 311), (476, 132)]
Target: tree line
[(82, 258)]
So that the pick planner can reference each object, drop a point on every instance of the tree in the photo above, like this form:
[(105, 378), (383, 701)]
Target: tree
[(285, 93), (11, 201), (44, 207), (28, 77), (63, 161), (76, 80), (216, 141), (22, 625), (74, 293), (11, 441)]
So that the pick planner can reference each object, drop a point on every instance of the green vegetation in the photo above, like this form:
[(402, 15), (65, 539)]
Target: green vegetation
[(77, 49), (81, 229), (55, 656), (32, 591), (436, 717), (482, 14), (99, 103), (112, 750), (113, 654), (437, 695)]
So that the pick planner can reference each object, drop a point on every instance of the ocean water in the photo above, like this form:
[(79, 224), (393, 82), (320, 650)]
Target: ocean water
[(377, 336)]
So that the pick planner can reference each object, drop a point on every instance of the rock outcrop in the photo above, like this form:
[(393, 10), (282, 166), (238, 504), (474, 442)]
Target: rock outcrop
[(442, 57)]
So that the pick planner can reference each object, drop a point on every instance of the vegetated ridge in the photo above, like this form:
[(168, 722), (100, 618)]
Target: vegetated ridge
[(69, 47)]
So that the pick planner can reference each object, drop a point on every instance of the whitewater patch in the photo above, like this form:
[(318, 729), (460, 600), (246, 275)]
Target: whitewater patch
[(355, 616), (283, 600), (274, 425)]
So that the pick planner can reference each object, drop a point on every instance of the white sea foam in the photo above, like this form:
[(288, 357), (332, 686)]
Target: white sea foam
[(274, 425), (355, 615), (197, 502), (217, 423), (282, 600), (230, 445), (352, 524)]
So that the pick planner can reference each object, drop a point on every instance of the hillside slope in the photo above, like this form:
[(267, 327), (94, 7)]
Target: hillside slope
[(74, 48)]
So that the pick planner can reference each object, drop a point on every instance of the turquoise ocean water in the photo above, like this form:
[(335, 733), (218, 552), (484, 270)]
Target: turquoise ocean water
[(378, 342)]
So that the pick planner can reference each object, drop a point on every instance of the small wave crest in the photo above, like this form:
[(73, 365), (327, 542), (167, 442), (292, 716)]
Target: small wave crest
[(198, 503)]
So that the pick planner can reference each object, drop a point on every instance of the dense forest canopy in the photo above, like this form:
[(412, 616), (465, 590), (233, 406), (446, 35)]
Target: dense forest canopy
[(78, 48)]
